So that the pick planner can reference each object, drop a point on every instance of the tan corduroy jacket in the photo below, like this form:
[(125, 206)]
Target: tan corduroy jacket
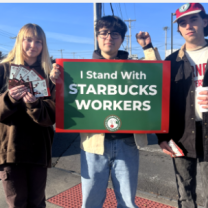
[(94, 142)]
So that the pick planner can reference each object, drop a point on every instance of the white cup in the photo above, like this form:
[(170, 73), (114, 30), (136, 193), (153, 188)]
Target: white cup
[(199, 89)]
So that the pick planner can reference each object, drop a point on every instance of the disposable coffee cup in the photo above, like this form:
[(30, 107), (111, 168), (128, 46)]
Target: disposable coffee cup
[(200, 89)]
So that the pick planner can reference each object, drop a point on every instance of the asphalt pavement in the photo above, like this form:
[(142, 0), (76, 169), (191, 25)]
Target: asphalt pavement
[(156, 179)]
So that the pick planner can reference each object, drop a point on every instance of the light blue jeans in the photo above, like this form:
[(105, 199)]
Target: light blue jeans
[(121, 159)]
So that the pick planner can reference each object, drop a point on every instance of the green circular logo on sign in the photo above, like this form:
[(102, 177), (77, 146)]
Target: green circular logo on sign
[(112, 123), (184, 7)]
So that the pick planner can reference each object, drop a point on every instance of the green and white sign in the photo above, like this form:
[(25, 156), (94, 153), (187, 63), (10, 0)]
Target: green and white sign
[(113, 96)]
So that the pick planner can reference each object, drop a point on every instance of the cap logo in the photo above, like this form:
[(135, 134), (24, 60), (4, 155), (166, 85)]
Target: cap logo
[(184, 7)]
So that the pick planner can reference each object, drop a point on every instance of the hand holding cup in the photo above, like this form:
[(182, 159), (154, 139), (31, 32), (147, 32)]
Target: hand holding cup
[(202, 98)]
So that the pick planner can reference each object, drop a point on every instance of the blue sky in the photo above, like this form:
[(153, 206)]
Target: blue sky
[(69, 26)]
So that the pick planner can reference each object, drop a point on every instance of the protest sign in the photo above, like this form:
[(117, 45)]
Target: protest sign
[(120, 96)]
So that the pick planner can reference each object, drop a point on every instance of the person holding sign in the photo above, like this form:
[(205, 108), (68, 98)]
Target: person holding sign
[(189, 104), (111, 152), (26, 131)]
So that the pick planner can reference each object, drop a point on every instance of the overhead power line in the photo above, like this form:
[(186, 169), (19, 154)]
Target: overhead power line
[(61, 52), (73, 54), (103, 10), (2, 34), (5, 45), (72, 51), (126, 11), (120, 10), (118, 15), (7, 33), (112, 9), (134, 13), (90, 52)]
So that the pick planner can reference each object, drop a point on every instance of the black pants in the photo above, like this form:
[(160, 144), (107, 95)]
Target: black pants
[(186, 171), (24, 185)]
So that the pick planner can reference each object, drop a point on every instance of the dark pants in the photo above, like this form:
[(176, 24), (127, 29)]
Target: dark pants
[(186, 171), (24, 185)]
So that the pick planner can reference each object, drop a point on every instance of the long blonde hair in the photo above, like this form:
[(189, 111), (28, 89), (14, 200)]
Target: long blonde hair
[(15, 56)]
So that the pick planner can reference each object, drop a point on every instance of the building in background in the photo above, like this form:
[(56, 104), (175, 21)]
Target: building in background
[(168, 52), (133, 57)]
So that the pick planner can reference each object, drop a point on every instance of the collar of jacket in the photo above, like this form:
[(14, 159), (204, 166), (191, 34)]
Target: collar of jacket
[(181, 52), (120, 55), (37, 63)]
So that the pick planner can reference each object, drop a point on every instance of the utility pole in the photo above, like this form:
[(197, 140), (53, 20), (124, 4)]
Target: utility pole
[(61, 52), (73, 54), (129, 34), (127, 43), (97, 16), (165, 28), (172, 14)]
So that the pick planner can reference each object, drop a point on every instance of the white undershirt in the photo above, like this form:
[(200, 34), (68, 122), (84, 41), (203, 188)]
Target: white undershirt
[(198, 61)]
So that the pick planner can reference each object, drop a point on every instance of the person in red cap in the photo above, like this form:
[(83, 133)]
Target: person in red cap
[(188, 124)]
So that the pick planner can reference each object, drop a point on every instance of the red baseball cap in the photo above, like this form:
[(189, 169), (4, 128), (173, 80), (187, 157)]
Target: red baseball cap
[(187, 9)]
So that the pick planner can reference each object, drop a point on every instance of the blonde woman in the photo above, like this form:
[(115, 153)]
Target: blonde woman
[(26, 131)]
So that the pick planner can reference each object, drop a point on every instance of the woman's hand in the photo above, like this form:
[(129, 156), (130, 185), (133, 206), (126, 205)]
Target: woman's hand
[(18, 92), (55, 73), (29, 98)]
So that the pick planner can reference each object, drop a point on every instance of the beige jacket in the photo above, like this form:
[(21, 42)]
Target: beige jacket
[(94, 142)]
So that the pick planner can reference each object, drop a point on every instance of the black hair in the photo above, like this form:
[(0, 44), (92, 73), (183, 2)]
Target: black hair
[(203, 16), (109, 22)]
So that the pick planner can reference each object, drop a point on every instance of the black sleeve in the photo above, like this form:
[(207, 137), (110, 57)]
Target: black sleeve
[(148, 46)]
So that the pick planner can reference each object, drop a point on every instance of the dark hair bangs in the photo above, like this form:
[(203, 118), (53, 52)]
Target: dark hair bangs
[(111, 22)]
